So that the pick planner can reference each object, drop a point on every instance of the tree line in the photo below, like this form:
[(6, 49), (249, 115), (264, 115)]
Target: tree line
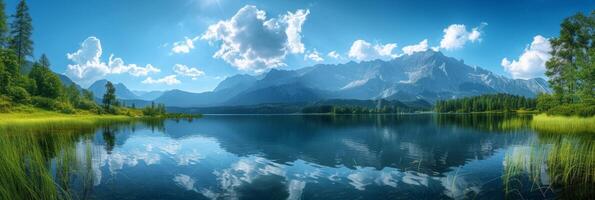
[(486, 103)]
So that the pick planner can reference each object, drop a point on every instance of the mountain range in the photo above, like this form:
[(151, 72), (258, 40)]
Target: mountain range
[(428, 76)]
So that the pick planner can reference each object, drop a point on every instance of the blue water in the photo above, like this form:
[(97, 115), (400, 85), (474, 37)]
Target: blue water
[(303, 157)]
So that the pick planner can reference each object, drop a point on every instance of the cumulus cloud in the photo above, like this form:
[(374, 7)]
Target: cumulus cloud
[(456, 36), (87, 66), (362, 50), (117, 66), (87, 63), (420, 47), (168, 80), (314, 56), (251, 42), (531, 63), (184, 181), (184, 70), (184, 46), (334, 54)]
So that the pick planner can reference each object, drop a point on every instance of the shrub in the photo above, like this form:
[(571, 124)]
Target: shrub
[(20, 95), (87, 105), (64, 107), (583, 110), (5, 104), (43, 102)]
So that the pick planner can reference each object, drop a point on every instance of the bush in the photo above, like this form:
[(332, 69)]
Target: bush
[(43, 102), (5, 104), (87, 105), (583, 110), (64, 108), (20, 95)]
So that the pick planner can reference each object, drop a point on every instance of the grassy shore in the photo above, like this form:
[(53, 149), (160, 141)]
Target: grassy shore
[(562, 124), (55, 120)]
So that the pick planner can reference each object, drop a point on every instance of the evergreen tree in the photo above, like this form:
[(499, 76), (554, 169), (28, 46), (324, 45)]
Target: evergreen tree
[(572, 66), (21, 30), (3, 25), (44, 61), (109, 98)]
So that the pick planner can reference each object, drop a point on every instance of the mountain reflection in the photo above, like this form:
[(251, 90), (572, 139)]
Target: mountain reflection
[(301, 156)]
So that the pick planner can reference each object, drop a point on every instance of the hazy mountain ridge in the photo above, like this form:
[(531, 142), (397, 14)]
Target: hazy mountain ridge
[(424, 75)]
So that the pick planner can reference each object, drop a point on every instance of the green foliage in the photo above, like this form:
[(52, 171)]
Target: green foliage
[(571, 70), (8, 60), (486, 103), (578, 109), (155, 110), (47, 84), (5, 104), (3, 25), (109, 98), (546, 102), (52, 104), (19, 95), (72, 94), (44, 61), (21, 30)]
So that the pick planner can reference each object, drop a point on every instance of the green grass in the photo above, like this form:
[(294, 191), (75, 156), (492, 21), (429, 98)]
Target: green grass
[(26, 164), (562, 124), (566, 161), (52, 120)]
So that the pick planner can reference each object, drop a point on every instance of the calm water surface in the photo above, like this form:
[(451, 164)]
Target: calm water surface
[(306, 157)]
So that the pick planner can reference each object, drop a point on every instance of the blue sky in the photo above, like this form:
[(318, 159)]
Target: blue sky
[(282, 34)]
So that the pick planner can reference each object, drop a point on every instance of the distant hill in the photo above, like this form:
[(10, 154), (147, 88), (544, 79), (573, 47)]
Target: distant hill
[(427, 76), (148, 95), (122, 92)]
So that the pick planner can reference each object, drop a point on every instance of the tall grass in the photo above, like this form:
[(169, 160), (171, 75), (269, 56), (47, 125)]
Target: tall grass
[(26, 162), (562, 124), (555, 163), (38, 153), (52, 120)]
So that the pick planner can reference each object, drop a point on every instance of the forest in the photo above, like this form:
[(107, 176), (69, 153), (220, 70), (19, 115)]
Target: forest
[(486, 103)]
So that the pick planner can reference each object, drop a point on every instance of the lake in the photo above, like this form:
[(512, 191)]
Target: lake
[(423, 156)]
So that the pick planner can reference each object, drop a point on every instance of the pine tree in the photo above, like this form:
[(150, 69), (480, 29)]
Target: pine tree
[(3, 25), (572, 66), (109, 98), (21, 31), (44, 61)]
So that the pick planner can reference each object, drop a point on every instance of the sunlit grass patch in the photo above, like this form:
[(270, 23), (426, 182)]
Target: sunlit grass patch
[(47, 120), (562, 124)]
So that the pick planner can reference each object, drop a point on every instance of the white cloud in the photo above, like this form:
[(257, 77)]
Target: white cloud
[(183, 47), (362, 50), (294, 23), (251, 42), (422, 46), (117, 66), (531, 63), (456, 36), (188, 71), (87, 66), (334, 54), (168, 80), (314, 56), (184, 181)]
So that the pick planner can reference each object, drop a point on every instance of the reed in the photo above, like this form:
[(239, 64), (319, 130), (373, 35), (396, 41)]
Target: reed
[(555, 163), (562, 124)]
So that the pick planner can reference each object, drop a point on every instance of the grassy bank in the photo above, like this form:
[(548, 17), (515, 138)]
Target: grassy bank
[(562, 124), (54, 120)]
